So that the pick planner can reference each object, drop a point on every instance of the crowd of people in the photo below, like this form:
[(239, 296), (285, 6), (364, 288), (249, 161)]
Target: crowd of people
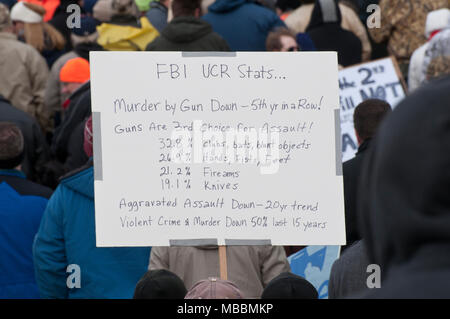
[(396, 188)]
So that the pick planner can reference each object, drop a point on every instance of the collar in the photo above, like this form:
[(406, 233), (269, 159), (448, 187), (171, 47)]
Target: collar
[(433, 34), (364, 146), (12, 172), (8, 35)]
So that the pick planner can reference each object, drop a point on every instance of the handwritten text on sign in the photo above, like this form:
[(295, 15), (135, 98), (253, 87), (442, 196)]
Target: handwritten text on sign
[(373, 80), (238, 147)]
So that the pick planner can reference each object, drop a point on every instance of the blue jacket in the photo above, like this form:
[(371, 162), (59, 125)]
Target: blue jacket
[(67, 237), (242, 23), (22, 204)]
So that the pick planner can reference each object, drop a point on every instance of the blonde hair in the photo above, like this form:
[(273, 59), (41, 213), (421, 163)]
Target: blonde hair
[(34, 32)]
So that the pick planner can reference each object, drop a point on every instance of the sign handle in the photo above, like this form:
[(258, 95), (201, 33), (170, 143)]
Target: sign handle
[(223, 262)]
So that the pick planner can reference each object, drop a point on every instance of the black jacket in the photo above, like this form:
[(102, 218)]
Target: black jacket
[(405, 198), (352, 171), (83, 49), (36, 148), (67, 144), (188, 34), (79, 109), (327, 34)]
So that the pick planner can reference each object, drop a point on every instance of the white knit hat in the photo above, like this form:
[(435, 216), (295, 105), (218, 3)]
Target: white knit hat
[(437, 20), (20, 12)]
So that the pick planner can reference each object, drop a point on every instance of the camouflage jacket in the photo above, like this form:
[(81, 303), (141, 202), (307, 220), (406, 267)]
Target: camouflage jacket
[(403, 23)]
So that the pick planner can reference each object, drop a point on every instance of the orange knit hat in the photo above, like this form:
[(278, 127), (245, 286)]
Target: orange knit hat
[(75, 70)]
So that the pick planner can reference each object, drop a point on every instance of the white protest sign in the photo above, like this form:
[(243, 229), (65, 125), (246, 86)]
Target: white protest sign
[(225, 148), (377, 79)]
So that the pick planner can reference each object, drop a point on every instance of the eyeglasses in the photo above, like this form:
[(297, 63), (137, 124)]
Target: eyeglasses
[(291, 49)]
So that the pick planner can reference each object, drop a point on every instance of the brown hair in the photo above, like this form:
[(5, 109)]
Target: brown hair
[(11, 141), (34, 33), (184, 8), (273, 42), (368, 115)]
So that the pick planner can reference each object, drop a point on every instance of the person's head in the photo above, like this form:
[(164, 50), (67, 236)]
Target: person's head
[(5, 19), (28, 24), (186, 8), (214, 288), (368, 116), (437, 20), (86, 33), (12, 145), (282, 40), (160, 284), (26, 13), (124, 8), (73, 74), (289, 286)]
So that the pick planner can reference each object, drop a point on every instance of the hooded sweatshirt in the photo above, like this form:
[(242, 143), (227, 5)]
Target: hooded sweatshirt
[(157, 15), (327, 34), (404, 198), (188, 34), (67, 237), (244, 24)]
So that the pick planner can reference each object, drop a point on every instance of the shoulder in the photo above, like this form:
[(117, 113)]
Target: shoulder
[(84, 172), (11, 113), (59, 63), (26, 187), (354, 257)]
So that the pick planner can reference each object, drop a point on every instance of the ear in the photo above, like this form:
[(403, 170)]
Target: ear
[(198, 13), (358, 138)]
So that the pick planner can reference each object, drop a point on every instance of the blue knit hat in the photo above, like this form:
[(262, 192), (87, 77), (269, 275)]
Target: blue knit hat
[(88, 25)]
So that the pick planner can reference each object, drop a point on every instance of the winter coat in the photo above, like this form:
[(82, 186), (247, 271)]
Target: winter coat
[(436, 58), (299, 19), (78, 110), (116, 37), (188, 34), (67, 139), (402, 24), (157, 15), (404, 198), (348, 276), (329, 36), (67, 237), (25, 76), (37, 151), (22, 204), (249, 267), (352, 170), (76, 156), (436, 21), (243, 24)]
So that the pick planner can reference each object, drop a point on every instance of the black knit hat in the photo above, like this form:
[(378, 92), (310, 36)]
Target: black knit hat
[(289, 286), (160, 284)]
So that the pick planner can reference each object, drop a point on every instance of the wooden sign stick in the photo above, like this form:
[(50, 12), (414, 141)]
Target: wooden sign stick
[(223, 262)]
